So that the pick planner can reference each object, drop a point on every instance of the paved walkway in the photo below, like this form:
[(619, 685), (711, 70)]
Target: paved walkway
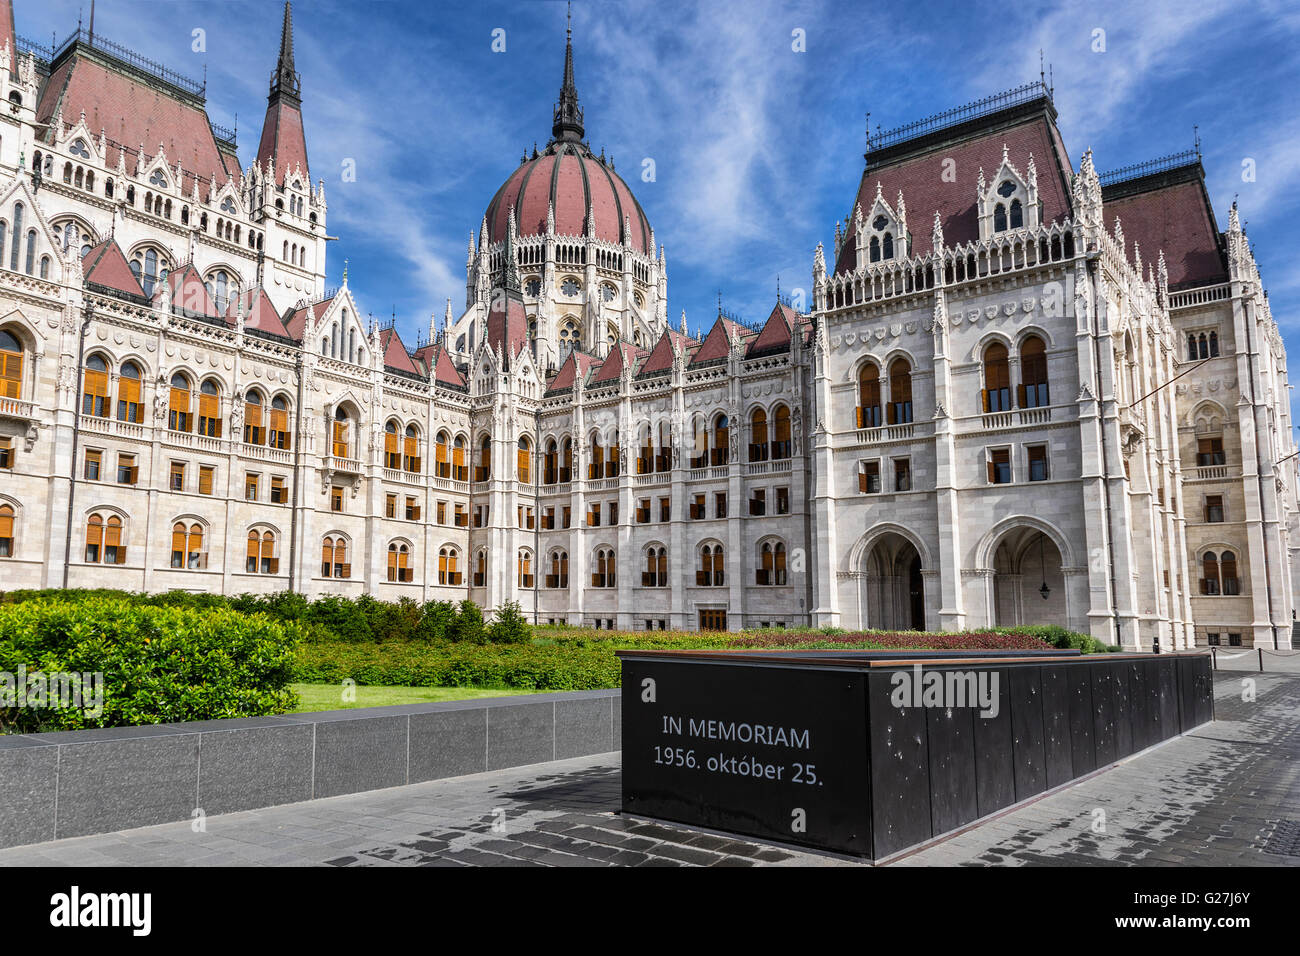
[(1227, 794)]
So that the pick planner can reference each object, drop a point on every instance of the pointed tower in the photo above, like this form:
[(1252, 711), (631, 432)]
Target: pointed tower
[(283, 140), (567, 125)]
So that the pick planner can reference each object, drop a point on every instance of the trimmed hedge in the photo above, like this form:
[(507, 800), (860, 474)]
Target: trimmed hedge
[(160, 664)]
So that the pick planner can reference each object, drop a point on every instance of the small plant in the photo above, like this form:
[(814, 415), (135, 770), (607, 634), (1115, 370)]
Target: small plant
[(509, 626)]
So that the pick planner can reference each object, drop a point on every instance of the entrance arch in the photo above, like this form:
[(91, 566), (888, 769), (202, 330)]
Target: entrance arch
[(894, 587), (1028, 580)]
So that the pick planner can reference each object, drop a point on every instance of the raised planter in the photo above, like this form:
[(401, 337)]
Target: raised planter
[(845, 752)]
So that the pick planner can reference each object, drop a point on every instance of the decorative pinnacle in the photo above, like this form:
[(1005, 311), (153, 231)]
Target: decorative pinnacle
[(285, 80), (567, 118)]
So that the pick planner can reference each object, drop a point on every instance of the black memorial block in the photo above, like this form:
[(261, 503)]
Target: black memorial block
[(833, 750)]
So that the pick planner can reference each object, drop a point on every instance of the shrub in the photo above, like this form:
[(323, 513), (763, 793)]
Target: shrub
[(436, 621), (160, 663), (509, 626), (341, 617), (468, 627)]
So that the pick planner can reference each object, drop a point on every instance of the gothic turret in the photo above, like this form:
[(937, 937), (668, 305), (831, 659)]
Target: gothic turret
[(283, 141)]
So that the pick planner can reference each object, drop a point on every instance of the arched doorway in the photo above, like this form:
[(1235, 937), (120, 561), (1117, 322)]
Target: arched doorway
[(895, 587), (1028, 583)]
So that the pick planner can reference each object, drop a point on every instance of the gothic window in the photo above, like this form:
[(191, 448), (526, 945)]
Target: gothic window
[(94, 396), (261, 557), (209, 409), (187, 546), (1017, 214), (45, 267), (1000, 218), (758, 435), (104, 540), (1006, 188), (158, 179), (228, 206), (1033, 369), (721, 445), (608, 292), (874, 249), (411, 450), (558, 576), (253, 418), (781, 447), (278, 436), (18, 231), (533, 287), (887, 246), (79, 148), (30, 265), (656, 573), (128, 393), (900, 392), (525, 568), (6, 531), (997, 379), (603, 572), (771, 568), (392, 454), (399, 562), (710, 573), (570, 286), (11, 366), (524, 462), (340, 434), (334, 558), (178, 407)]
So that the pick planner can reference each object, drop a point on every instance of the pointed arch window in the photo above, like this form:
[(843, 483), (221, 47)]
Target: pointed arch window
[(550, 457), (1210, 574), (6, 531), (781, 444), (887, 246), (128, 393), (340, 434), (261, 557), (334, 558), (721, 440), (596, 467), (104, 540), (602, 575), (480, 568), (253, 430), (997, 379), (524, 461), (483, 470), (459, 470), (900, 392), (94, 395), (11, 364), (868, 396), (1000, 218), (209, 409), (278, 437), (558, 577), (874, 249), (187, 546), (771, 565), (17, 233), (178, 407), (710, 573), (655, 574), (399, 562), (758, 435), (1017, 214), (525, 569), (1033, 369), (411, 450)]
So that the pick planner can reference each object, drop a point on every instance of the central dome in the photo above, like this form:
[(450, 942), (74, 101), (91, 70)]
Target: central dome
[(569, 177)]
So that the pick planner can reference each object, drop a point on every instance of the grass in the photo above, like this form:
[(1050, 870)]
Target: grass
[(314, 697)]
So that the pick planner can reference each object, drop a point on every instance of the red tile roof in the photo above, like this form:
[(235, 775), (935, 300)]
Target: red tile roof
[(8, 35), (133, 114), (507, 325), (776, 332), (283, 139), (106, 265), (624, 355), (576, 366), (188, 293), (395, 354), (436, 358), (661, 356), (259, 313), (926, 190), (297, 323), (1175, 216), (717, 344)]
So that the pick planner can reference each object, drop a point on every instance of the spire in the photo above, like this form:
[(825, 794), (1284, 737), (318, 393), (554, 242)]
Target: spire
[(567, 125), (285, 79), (509, 268)]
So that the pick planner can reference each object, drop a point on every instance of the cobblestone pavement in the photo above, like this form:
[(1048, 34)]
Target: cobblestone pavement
[(1227, 794)]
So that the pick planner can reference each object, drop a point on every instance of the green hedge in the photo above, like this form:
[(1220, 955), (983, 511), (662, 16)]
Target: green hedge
[(160, 664)]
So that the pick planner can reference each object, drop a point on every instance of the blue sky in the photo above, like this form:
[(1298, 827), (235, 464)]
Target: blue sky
[(757, 148)]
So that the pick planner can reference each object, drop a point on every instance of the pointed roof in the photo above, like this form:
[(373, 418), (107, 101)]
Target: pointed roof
[(283, 139), (776, 332), (567, 125), (395, 354), (105, 266), (622, 355), (259, 312), (661, 356), (572, 369), (8, 35), (439, 365), (507, 321), (189, 296), (297, 321), (717, 344)]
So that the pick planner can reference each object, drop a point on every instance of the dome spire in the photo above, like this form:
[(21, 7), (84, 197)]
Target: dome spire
[(567, 125)]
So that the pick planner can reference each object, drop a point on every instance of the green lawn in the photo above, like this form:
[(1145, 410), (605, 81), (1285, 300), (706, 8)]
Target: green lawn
[(314, 697)]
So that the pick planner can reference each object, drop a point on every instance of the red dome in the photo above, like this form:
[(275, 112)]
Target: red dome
[(568, 175)]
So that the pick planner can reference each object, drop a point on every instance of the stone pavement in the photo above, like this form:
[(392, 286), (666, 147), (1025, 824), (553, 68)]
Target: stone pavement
[(1227, 794)]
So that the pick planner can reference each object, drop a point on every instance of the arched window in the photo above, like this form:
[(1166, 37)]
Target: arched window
[(525, 460), (887, 246), (399, 562), (550, 462), (758, 435), (392, 450), (900, 392), (771, 564), (104, 540), (30, 265), (11, 366), (150, 275), (868, 396), (278, 436), (721, 443), (187, 546), (1017, 214), (18, 231), (411, 450), (253, 431), (645, 461), (596, 466), (178, 406), (602, 574), (699, 443), (1210, 573), (340, 434), (1214, 345), (566, 460), (874, 249), (612, 459), (525, 568), (559, 572), (1033, 369), (1000, 218), (483, 471), (781, 444), (209, 409), (6, 531), (480, 568), (94, 394), (334, 558), (710, 573), (655, 574), (261, 557), (128, 393), (45, 267), (459, 470), (997, 379)]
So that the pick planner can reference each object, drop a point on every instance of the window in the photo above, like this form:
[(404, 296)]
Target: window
[(1234, 640), (128, 473), (390, 506), (412, 509), (1228, 568), (758, 435), (442, 512), (261, 553), (250, 487), (713, 620), (6, 531), (525, 461), (340, 434), (758, 502), (655, 574), (176, 478), (399, 563), (721, 446), (566, 516), (710, 573), (1219, 574), (719, 504), (593, 516), (868, 396), (1038, 463), (459, 470), (1214, 508), (94, 398), (902, 474), (1209, 451), (900, 392), (279, 432), (697, 508), (187, 546), (997, 379), (480, 569), (11, 359), (336, 498), (462, 518), (91, 470), (279, 493), (253, 430), (334, 558), (665, 509), (525, 565), (448, 566), (1212, 638), (209, 410), (869, 477), (392, 454), (6, 452), (104, 540), (643, 511), (128, 393), (602, 575), (781, 446), (1033, 369), (559, 572), (484, 469), (1202, 345), (771, 564), (178, 409), (999, 466)]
